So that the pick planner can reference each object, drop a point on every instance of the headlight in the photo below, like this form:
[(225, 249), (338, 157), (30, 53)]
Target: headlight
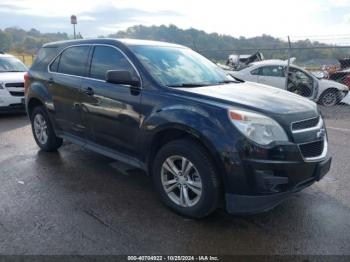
[(259, 128)]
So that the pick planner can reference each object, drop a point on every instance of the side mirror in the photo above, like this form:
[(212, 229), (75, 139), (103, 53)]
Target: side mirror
[(123, 78)]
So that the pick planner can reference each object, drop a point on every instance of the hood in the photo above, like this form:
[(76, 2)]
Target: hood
[(258, 97), (12, 77), (324, 84)]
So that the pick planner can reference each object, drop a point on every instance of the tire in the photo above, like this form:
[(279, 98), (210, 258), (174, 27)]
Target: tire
[(329, 98), (200, 171), (43, 132)]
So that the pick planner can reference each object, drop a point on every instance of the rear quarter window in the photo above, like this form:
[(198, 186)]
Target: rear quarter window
[(44, 57)]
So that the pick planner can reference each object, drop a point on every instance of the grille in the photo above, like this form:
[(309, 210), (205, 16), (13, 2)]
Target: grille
[(15, 93), (313, 149), (305, 124), (14, 84)]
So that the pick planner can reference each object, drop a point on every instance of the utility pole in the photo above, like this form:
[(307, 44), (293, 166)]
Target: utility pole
[(287, 69), (74, 21)]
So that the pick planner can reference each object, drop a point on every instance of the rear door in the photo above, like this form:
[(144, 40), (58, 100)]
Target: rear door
[(111, 111), (67, 72), (272, 75)]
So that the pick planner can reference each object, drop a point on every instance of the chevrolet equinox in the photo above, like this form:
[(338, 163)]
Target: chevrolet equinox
[(206, 139)]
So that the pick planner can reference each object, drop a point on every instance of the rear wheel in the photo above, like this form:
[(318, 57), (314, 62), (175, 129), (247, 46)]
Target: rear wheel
[(43, 132), (186, 179)]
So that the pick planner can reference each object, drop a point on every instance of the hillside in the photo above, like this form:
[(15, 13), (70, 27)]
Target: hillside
[(20, 41), (218, 47), (213, 45)]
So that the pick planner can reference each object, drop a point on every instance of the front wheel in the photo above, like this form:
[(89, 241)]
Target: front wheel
[(186, 179), (43, 132), (330, 98)]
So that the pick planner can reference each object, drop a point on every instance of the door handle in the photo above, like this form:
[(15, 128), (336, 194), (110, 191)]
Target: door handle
[(51, 81), (89, 91)]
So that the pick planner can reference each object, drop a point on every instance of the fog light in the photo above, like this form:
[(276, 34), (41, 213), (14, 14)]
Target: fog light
[(267, 182)]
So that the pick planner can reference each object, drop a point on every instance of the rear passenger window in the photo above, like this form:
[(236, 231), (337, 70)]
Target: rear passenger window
[(255, 72), (108, 58), (73, 61), (276, 71), (54, 65), (44, 57)]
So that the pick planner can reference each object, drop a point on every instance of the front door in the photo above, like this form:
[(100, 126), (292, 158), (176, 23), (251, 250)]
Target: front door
[(111, 111), (302, 83)]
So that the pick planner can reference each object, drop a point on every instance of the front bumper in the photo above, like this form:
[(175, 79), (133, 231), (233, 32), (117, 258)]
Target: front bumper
[(9, 102), (277, 188)]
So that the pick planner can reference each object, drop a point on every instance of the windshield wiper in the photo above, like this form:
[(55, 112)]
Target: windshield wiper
[(228, 81), (189, 85)]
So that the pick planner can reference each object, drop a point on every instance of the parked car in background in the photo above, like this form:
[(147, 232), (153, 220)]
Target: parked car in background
[(300, 81), (341, 75), (12, 72), (207, 140)]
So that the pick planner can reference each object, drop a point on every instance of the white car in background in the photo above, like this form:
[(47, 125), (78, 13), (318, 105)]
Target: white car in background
[(12, 72), (273, 73)]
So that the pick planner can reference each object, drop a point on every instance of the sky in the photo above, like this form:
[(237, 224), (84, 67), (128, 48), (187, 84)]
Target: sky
[(325, 20)]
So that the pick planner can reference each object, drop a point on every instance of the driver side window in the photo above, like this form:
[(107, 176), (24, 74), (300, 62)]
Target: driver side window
[(107, 58)]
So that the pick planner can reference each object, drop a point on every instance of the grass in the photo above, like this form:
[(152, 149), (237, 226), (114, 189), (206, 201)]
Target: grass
[(27, 59)]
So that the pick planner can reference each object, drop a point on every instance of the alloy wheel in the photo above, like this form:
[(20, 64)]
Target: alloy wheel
[(330, 99), (181, 181), (40, 129)]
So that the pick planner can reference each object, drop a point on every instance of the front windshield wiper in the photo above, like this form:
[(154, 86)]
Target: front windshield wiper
[(227, 81), (189, 85), (235, 80)]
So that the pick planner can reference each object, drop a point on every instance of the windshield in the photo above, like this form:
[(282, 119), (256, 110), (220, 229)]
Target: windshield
[(180, 67), (11, 64)]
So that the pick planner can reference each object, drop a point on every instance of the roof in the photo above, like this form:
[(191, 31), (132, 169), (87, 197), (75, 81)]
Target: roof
[(125, 41), (272, 62)]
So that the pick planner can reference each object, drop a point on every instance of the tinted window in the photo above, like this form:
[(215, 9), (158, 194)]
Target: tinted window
[(73, 61), (54, 65), (43, 58), (108, 58), (276, 71)]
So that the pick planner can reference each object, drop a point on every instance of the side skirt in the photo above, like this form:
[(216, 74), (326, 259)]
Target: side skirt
[(104, 151)]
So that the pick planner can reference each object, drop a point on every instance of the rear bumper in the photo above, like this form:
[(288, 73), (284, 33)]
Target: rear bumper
[(252, 204)]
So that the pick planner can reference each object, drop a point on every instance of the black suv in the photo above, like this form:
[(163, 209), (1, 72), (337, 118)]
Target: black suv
[(206, 139)]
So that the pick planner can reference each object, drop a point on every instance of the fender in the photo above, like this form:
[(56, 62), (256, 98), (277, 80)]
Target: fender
[(201, 123), (39, 92)]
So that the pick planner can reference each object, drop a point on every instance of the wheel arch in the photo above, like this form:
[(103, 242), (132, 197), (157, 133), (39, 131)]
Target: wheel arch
[(329, 89), (33, 102), (168, 134)]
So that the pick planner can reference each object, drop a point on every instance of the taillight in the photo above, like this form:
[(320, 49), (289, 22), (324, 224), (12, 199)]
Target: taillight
[(26, 83)]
